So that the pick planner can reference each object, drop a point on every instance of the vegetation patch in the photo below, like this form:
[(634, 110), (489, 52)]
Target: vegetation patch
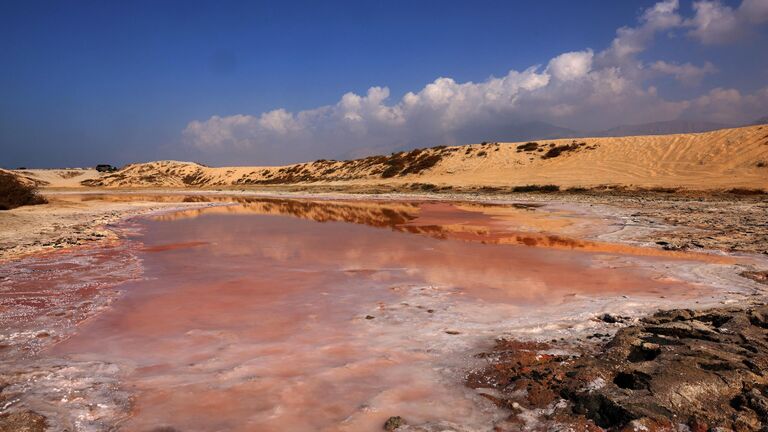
[(528, 147), (660, 189), (557, 150), (413, 162), (14, 193), (536, 188), (745, 191), (427, 187), (195, 179), (71, 174)]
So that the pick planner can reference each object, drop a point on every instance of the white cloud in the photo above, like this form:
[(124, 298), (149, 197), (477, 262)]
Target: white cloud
[(729, 105), (632, 40), (571, 65), (755, 11), (278, 121), (686, 73), (583, 90), (716, 23)]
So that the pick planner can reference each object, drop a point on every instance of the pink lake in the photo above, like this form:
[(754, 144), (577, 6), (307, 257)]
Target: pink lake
[(291, 315)]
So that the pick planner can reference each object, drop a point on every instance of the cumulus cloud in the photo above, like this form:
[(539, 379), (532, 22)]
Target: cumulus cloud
[(583, 90), (571, 65), (729, 105), (686, 73), (632, 40), (716, 23)]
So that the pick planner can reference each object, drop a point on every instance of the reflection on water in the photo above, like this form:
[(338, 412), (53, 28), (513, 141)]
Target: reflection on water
[(254, 317), (516, 224)]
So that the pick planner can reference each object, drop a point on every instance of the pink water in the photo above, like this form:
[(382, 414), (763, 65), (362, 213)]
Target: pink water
[(259, 318)]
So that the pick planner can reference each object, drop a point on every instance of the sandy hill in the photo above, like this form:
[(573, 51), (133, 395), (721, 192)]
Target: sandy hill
[(719, 159), (64, 178), (22, 179)]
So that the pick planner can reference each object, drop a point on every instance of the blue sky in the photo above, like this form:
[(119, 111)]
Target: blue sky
[(89, 82)]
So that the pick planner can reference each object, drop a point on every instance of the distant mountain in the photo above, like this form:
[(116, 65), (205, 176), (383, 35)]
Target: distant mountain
[(513, 132), (663, 128), (537, 130), (761, 120), (527, 131)]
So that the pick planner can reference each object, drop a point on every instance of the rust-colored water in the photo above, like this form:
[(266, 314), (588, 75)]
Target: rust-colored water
[(281, 315)]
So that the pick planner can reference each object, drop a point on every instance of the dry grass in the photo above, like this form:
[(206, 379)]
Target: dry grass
[(14, 193)]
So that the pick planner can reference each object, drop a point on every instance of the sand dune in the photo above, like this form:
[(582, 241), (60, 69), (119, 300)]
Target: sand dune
[(719, 159), (63, 178)]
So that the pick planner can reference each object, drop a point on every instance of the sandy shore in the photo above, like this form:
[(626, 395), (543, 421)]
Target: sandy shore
[(63, 223)]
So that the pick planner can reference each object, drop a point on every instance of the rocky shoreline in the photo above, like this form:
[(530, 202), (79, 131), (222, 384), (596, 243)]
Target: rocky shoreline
[(672, 371)]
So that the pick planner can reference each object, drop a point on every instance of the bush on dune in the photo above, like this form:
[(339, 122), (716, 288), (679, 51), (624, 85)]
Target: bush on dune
[(14, 193), (536, 188)]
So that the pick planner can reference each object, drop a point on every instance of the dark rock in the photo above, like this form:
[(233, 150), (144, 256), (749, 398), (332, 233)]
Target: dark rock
[(698, 368), (24, 421), (610, 319), (759, 317), (645, 351), (633, 380), (757, 276), (393, 423)]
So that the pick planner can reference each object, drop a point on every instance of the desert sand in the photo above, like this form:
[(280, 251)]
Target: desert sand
[(722, 159)]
